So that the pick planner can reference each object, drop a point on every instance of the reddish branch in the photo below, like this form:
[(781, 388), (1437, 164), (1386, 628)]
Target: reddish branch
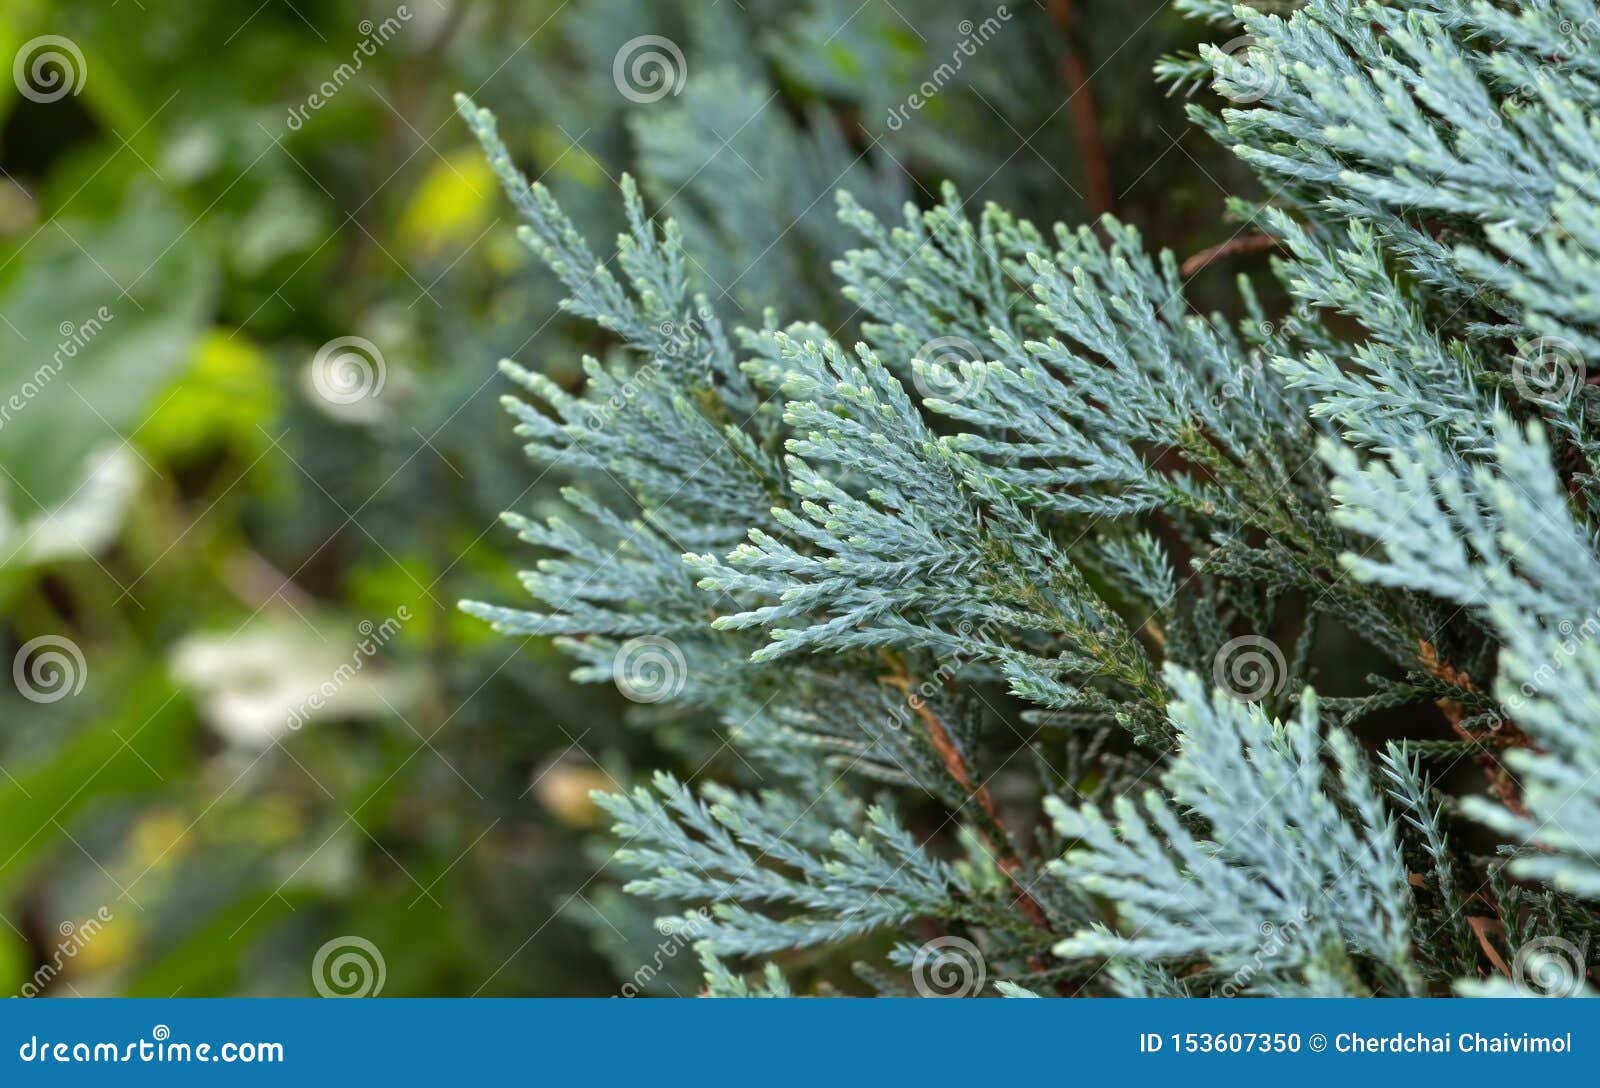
[(1480, 929), (1233, 247), (945, 745), (1085, 117), (1500, 781)]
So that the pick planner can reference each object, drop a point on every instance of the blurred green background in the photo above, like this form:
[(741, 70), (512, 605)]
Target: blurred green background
[(252, 452)]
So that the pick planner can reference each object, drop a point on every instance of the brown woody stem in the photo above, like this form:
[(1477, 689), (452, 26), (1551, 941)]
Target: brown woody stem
[(956, 767)]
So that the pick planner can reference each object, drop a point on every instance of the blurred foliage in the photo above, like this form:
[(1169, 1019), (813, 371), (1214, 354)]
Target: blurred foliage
[(217, 539)]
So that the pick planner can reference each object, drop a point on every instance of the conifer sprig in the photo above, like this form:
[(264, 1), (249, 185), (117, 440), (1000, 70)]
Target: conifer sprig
[(921, 571)]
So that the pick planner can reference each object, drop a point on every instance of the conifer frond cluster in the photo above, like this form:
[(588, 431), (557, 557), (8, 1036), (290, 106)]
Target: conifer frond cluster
[(1034, 537)]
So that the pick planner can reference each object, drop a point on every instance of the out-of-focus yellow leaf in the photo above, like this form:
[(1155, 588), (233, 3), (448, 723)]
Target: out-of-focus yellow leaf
[(452, 205), (113, 943), (378, 589), (160, 838), (227, 391), (567, 158)]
